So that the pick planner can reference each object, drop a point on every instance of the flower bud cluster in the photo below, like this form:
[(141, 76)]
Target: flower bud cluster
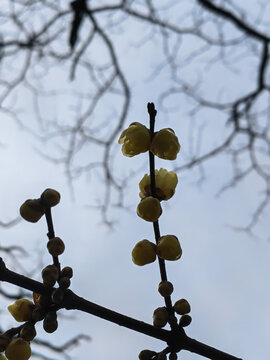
[(137, 139), (167, 248), (33, 209), (44, 306)]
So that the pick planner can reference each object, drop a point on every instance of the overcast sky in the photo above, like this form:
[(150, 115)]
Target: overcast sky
[(224, 274)]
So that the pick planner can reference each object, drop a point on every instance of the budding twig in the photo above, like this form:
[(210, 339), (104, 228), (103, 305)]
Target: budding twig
[(179, 340)]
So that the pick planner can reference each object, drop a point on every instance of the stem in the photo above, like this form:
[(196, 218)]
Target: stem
[(51, 234), (74, 302), (162, 268)]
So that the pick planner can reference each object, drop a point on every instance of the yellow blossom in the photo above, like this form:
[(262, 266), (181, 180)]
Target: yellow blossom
[(182, 307), (160, 317), (168, 247), (165, 182), (149, 209), (32, 210), (135, 139), (165, 144), (18, 349), (21, 310), (144, 252)]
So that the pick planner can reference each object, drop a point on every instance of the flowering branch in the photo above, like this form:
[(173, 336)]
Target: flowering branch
[(54, 293), (72, 301)]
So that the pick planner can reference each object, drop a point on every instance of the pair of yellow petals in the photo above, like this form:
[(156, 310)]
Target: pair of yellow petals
[(137, 139)]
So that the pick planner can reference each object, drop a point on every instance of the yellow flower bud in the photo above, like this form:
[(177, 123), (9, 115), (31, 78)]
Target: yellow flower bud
[(160, 317), (165, 144), (50, 323), (165, 182), (18, 349), (56, 246), (135, 139), (185, 320), (31, 210), (168, 248), (49, 275), (144, 253), (28, 332), (21, 310), (146, 354), (149, 209), (165, 288), (67, 271), (50, 197), (182, 307)]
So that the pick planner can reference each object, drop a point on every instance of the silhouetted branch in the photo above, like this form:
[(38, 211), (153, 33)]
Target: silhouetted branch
[(176, 339)]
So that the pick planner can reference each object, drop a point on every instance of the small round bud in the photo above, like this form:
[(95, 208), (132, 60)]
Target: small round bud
[(160, 317), (185, 320), (38, 314), (18, 349), (21, 310), (50, 326), (144, 252), (51, 316), (165, 288), (168, 248), (57, 296), (173, 356), (149, 209), (31, 210), (50, 197), (64, 282), (56, 246), (146, 355), (4, 341), (49, 275), (28, 332), (45, 300), (182, 307), (67, 271)]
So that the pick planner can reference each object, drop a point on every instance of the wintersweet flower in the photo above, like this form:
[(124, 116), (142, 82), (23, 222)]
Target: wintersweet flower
[(149, 209), (160, 317), (185, 320), (165, 144), (136, 139), (165, 182), (18, 349), (182, 307), (21, 310), (144, 252), (31, 210), (168, 247), (50, 197), (165, 288)]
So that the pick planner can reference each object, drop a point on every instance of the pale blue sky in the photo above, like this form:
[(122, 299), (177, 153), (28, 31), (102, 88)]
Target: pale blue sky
[(224, 274)]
